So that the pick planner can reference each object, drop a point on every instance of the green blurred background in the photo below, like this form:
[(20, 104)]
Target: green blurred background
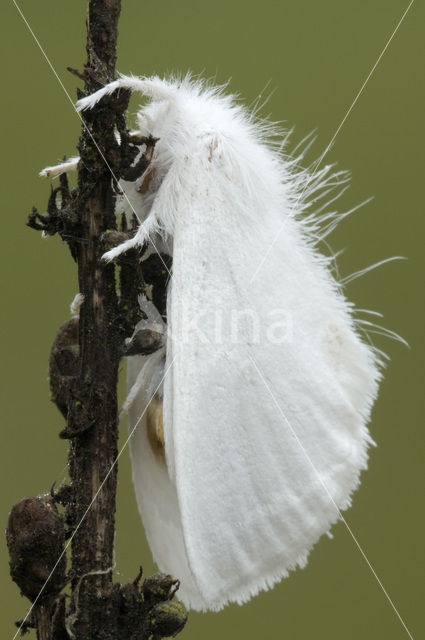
[(315, 57)]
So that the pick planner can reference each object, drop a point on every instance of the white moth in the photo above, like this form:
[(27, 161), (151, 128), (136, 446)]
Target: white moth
[(267, 386)]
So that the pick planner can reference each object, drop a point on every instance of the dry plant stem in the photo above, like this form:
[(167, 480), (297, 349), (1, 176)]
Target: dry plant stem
[(42, 617), (83, 371), (93, 401)]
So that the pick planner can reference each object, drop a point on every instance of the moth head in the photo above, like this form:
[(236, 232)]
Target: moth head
[(158, 119), (154, 119)]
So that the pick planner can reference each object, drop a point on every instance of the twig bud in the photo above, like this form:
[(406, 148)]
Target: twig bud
[(35, 539)]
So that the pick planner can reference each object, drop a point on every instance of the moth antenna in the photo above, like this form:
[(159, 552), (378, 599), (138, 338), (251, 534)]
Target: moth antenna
[(154, 88)]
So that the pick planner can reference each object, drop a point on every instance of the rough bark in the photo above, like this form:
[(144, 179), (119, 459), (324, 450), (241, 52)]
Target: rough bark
[(92, 405), (83, 375)]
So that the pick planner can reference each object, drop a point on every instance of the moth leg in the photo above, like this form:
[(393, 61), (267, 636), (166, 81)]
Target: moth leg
[(140, 382), (146, 228), (64, 167)]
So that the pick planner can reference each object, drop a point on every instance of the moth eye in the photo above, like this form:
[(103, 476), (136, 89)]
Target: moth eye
[(155, 428)]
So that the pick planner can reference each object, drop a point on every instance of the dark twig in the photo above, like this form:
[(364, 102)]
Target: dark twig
[(83, 370), (77, 73)]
